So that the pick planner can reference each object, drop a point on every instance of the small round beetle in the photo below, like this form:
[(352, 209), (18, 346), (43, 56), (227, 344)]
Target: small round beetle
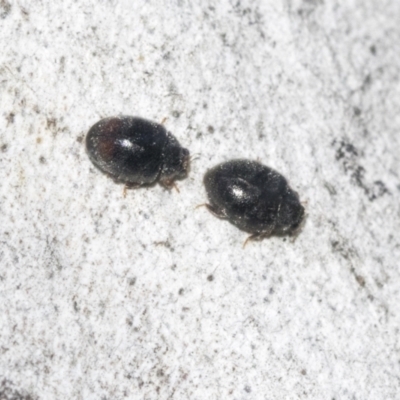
[(253, 197), (136, 152)]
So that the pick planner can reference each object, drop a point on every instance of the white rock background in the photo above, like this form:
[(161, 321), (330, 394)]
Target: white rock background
[(144, 297)]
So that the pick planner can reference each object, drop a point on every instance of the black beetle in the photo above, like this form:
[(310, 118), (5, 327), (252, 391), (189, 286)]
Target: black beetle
[(253, 197), (136, 152)]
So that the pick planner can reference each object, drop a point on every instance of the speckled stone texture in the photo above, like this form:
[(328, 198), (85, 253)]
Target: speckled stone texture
[(145, 297)]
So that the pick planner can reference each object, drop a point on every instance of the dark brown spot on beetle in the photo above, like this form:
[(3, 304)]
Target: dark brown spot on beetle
[(106, 148)]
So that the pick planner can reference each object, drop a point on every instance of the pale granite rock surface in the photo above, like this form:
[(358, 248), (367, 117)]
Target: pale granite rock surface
[(144, 297)]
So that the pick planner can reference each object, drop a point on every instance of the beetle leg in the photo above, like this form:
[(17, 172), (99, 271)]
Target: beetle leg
[(213, 210), (217, 212), (258, 236), (168, 184), (128, 186), (254, 236)]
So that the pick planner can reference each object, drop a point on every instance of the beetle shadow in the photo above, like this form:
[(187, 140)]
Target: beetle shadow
[(291, 235)]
